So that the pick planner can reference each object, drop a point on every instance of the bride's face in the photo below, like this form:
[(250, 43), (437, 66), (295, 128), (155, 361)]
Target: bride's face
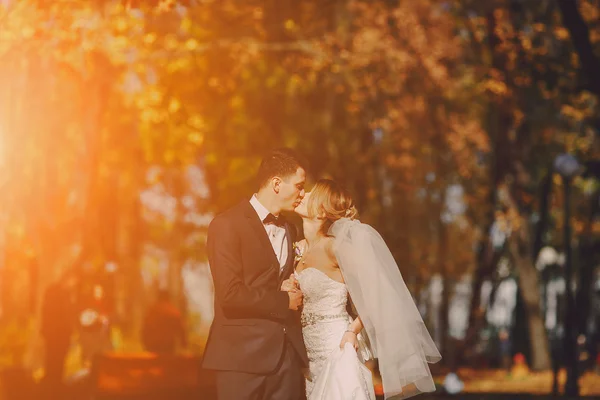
[(302, 209)]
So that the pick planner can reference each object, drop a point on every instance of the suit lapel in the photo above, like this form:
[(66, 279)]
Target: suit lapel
[(259, 230), (289, 264)]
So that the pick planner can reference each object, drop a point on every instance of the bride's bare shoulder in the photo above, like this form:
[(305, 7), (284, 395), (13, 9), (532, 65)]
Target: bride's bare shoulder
[(329, 249)]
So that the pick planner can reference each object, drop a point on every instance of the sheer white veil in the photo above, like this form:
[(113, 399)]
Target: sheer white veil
[(395, 329)]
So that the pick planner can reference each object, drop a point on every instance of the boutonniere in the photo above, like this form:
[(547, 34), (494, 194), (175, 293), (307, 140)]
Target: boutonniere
[(298, 251)]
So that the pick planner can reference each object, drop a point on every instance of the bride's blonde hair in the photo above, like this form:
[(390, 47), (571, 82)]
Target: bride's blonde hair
[(329, 201)]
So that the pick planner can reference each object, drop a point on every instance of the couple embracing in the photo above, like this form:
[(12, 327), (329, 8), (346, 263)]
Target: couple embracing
[(298, 319)]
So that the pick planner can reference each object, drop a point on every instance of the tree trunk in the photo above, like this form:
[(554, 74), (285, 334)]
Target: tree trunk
[(446, 293), (542, 225), (498, 122), (520, 249), (587, 257), (580, 36), (135, 292), (486, 263)]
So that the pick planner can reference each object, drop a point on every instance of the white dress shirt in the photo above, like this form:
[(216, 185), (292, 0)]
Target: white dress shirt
[(277, 234)]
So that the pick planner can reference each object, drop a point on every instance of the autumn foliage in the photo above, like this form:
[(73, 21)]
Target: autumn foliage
[(441, 117)]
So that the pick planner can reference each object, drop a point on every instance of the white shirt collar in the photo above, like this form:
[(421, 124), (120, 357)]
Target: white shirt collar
[(259, 208)]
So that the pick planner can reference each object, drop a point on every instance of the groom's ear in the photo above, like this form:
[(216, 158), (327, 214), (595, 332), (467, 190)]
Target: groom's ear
[(276, 183)]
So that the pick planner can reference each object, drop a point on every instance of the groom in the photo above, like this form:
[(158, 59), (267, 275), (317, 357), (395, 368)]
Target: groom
[(255, 342)]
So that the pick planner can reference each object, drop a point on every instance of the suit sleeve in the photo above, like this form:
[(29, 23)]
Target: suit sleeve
[(234, 296)]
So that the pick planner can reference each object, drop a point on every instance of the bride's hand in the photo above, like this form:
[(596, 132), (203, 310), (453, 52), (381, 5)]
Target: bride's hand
[(290, 284), (349, 337)]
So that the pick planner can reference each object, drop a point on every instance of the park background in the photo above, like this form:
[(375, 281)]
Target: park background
[(468, 132)]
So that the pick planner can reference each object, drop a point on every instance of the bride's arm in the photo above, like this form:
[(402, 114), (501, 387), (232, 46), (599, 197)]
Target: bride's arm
[(356, 326), (351, 334)]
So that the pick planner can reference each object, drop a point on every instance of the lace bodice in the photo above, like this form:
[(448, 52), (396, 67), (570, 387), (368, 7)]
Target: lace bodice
[(322, 295), (324, 318)]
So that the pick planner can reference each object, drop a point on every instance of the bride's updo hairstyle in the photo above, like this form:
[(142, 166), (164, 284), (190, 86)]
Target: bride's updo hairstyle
[(329, 201)]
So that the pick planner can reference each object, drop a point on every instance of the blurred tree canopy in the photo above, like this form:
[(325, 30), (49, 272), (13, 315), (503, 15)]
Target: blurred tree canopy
[(441, 117)]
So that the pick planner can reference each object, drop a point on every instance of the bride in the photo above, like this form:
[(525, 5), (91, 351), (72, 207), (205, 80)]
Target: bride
[(342, 259)]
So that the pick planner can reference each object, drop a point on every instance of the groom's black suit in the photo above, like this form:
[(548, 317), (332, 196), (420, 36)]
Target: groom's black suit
[(255, 341)]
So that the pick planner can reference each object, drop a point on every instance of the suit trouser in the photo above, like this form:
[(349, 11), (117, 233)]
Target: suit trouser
[(285, 383)]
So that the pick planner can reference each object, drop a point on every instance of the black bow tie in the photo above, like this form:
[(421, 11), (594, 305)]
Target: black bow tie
[(271, 219)]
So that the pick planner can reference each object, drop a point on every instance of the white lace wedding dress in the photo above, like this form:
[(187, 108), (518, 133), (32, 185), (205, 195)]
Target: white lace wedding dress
[(397, 336), (335, 374)]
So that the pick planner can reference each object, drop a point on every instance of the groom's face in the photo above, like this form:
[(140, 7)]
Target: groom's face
[(291, 191)]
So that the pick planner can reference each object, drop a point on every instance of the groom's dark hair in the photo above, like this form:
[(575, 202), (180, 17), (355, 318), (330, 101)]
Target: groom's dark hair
[(282, 162)]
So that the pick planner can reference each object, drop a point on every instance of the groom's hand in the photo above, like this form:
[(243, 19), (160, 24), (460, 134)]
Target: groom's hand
[(290, 284), (296, 298)]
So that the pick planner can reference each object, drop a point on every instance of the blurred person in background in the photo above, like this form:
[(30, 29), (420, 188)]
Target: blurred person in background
[(505, 346), (164, 328), (57, 324), (94, 327)]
